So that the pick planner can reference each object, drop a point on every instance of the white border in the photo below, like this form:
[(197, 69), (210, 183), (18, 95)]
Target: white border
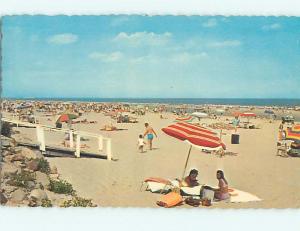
[(152, 7)]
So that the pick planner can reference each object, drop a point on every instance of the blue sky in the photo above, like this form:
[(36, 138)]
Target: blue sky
[(158, 56)]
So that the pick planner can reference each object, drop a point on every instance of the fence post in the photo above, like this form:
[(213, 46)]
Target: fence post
[(41, 138), (77, 152), (71, 139), (108, 149), (100, 143)]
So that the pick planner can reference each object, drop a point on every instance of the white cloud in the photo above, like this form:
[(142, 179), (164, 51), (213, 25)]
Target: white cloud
[(187, 57), (106, 57), (210, 23), (63, 38), (274, 26), (148, 38), (226, 43)]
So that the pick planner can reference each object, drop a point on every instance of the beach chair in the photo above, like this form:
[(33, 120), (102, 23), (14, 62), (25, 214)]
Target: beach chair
[(282, 149)]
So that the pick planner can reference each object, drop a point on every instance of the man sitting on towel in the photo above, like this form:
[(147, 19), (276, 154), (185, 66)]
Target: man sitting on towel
[(190, 180)]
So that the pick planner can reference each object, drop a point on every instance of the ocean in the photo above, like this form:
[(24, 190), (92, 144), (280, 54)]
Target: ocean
[(194, 101)]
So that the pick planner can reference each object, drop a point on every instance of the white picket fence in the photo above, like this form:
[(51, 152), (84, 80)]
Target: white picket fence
[(40, 133)]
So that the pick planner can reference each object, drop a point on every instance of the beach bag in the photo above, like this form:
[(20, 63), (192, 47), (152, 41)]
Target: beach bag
[(170, 200), (192, 201)]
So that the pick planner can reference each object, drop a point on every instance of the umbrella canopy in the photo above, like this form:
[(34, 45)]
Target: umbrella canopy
[(290, 135), (199, 114), (195, 135), (248, 114), (66, 117), (296, 128), (187, 119), (270, 112)]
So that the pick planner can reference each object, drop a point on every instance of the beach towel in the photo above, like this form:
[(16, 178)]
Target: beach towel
[(170, 200), (238, 196)]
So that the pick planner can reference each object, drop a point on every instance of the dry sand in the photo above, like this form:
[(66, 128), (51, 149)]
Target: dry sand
[(256, 168)]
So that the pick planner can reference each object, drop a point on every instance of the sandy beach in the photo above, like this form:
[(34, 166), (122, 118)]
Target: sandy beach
[(255, 169)]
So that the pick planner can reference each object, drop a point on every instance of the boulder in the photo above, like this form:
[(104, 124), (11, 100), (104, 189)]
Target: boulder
[(54, 176), (3, 199), (33, 165), (7, 159), (53, 169), (18, 196), (6, 153), (7, 168), (31, 184), (18, 157), (8, 189), (7, 142), (43, 179), (38, 195), (28, 153)]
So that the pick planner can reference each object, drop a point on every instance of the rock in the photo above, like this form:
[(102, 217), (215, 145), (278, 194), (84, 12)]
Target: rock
[(28, 153), (42, 178), (8, 189), (7, 142), (31, 184), (17, 157), (7, 159), (38, 195), (53, 169), (18, 196), (6, 153), (7, 168), (3, 199), (57, 199), (54, 176), (32, 165)]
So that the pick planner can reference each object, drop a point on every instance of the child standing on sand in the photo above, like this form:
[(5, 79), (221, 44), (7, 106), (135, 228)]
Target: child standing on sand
[(141, 143)]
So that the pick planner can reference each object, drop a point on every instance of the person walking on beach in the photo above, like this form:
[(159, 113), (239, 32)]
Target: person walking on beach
[(141, 143), (149, 132)]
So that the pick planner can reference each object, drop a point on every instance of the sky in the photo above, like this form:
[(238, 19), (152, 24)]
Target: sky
[(150, 57)]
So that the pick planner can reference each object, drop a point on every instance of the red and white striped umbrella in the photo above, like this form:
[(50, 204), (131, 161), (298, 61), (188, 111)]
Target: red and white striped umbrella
[(248, 114), (195, 135)]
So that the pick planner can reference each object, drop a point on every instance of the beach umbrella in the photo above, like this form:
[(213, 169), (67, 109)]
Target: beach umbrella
[(248, 114), (296, 128), (187, 119), (196, 136), (66, 117), (199, 115), (290, 135)]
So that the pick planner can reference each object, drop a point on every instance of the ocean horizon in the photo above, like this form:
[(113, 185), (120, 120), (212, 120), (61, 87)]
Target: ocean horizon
[(192, 101)]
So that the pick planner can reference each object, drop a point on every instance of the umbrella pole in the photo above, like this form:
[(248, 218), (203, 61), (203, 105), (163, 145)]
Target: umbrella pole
[(186, 162)]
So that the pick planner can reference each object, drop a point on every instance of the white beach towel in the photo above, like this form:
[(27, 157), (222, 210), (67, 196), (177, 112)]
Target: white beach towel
[(238, 196)]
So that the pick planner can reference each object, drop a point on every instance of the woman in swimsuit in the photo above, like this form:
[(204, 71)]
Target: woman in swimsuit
[(221, 193), (149, 132)]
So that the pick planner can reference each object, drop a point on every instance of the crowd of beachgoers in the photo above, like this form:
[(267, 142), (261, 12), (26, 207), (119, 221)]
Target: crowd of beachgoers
[(132, 128)]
